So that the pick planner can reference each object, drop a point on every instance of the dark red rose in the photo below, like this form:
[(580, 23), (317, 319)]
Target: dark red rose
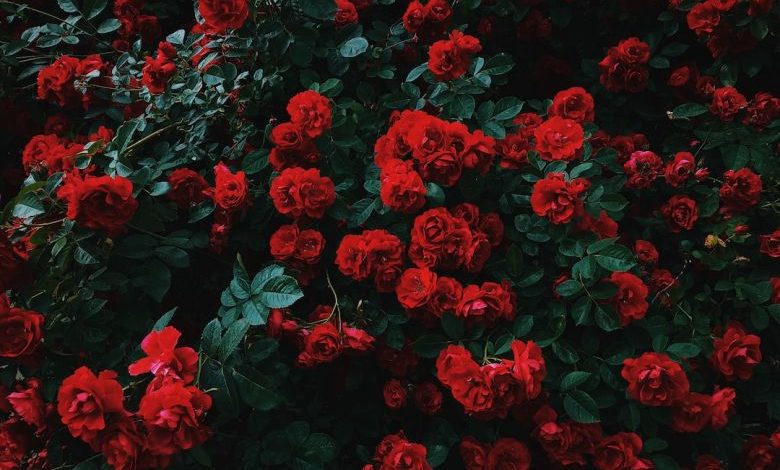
[(727, 102), (440, 240), (122, 444), (85, 402), (13, 267), (402, 189), (632, 51), (320, 345), (620, 452), (346, 13), (630, 300), (99, 202), (559, 139), (764, 108), (406, 456), (491, 225), (741, 190), (37, 151), (646, 252), (221, 15), (311, 112), (692, 413), (355, 339), (394, 394), (655, 380), (473, 453), (230, 192), (574, 103), (174, 417), (703, 18), (457, 370), (528, 368), (427, 398), (681, 169), (681, 76), (187, 187), (760, 7), (27, 402), (603, 226), (770, 244), (287, 136), (296, 192), (708, 462), (164, 359), (488, 302), (416, 287), (680, 212), (722, 403), (642, 168), (557, 199), (761, 453), (450, 58), (508, 453), (414, 16), (158, 70), (55, 81), (736, 353)]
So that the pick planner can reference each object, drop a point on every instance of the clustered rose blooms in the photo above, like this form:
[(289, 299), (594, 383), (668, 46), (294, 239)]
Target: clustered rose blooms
[(624, 68), (99, 202), (426, 396), (158, 70), (491, 390), (449, 59), (170, 414), (630, 300), (440, 150), (558, 200), (373, 253), (428, 20), (310, 116), (505, 452), (395, 452), (221, 15), (297, 192)]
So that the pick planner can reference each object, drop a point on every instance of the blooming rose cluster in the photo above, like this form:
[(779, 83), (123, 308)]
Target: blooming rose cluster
[(170, 414), (624, 68), (134, 22), (222, 15), (450, 58), (322, 339), (505, 452), (491, 390), (440, 152), (55, 153), (99, 202), (655, 380), (294, 144), (428, 20), (558, 200), (709, 20), (158, 70), (426, 396), (396, 452), (56, 82), (376, 254), (301, 249)]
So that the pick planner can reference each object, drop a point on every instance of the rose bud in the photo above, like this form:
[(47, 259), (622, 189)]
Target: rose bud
[(742, 229), (702, 174)]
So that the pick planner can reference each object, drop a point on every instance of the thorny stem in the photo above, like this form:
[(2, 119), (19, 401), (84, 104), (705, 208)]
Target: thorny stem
[(336, 307), (669, 286)]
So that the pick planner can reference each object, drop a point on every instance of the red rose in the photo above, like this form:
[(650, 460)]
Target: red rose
[(488, 302), (770, 244), (630, 300), (62, 157), (355, 339), (528, 368), (680, 213), (375, 253), (679, 170), (402, 189), (450, 58), (642, 168), (297, 191), (287, 136), (55, 81), (320, 345), (723, 5), (311, 112), (122, 445), (708, 462), (692, 413), (574, 103), (174, 417), (603, 226), (620, 452), (703, 18), (557, 199), (164, 359), (646, 252), (309, 246), (99, 202), (416, 287), (723, 403), (414, 16), (761, 453), (346, 13), (655, 380), (157, 71), (446, 296), (741, 190), (764, 109), (438, 11), (221, 15), (230, 191), (27, 402), (632, 51), (508, 453), (443, 167), (440, 240), (760, 7), (473, 453), (406, 456), (727, 102), (736, 353), (85, 401), (427, 398), (491, 225), (37, 150), (13, 267), (457, 370), (394, 394), (187, 187), (559, 139), (680, 76)]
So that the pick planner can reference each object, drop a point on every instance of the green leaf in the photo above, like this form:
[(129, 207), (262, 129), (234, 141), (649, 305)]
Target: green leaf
[(68, 6), (607, 320), (615, 258), (498, 64), (233, 336), (452, 325), (353, 47), (201, 211), (461, 106), (417, 72), (581, 407), (319, 9), (211, 337), (256, 390), (321, 446), (569, 288), (507, 108), (280, 292), (164, 320), (685, 350), (580, 311), (28, 206), (108, 25), (688, 110), (574, 379)]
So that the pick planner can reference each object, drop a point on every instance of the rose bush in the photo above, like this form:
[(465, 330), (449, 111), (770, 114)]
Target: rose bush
[(389, 235)]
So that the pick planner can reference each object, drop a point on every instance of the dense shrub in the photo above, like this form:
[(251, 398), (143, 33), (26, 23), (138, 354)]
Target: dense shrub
[(390, 235)]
